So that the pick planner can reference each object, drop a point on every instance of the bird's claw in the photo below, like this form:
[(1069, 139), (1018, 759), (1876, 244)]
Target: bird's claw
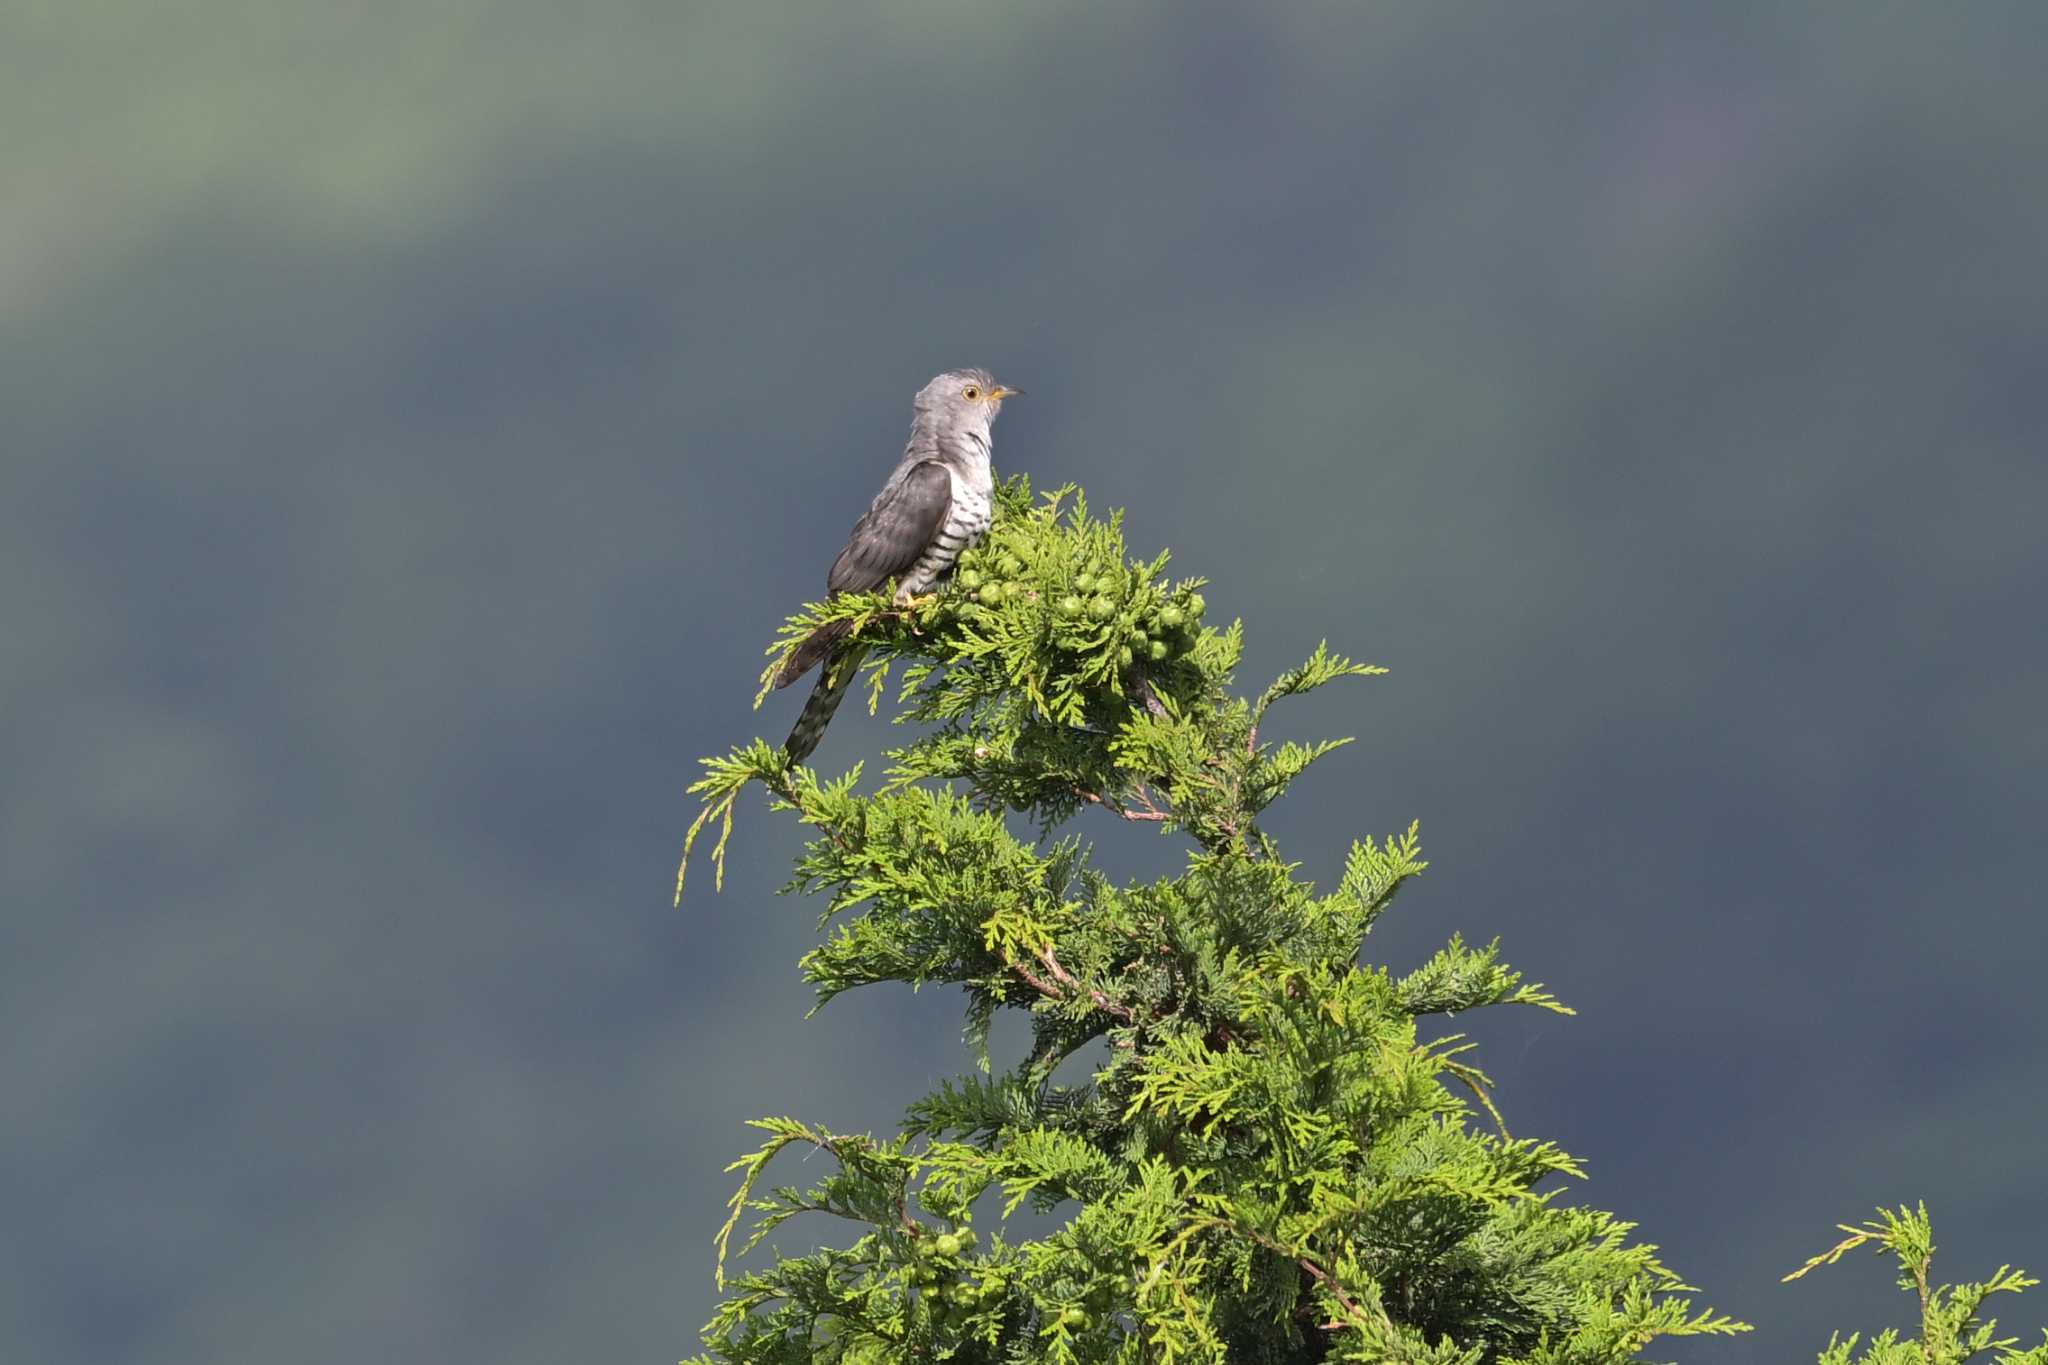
[(909, 607)]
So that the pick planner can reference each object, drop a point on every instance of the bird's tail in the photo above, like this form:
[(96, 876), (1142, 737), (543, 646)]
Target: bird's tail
[(840, 671), (813, 648)]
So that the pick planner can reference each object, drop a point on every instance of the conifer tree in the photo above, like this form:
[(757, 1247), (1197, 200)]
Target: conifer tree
[(1282, 1153), (1951, 1332)]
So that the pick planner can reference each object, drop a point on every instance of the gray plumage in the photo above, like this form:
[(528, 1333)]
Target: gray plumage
[(935, 505)]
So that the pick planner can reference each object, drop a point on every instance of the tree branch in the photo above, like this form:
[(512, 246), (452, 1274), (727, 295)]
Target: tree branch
[(1147, 812), (1067, 988)]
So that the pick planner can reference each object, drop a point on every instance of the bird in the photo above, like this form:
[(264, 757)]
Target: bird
[(935, 505)]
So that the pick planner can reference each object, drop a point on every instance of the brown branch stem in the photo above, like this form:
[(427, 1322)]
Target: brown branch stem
[(1147, 812), (1321, 1276), (1324, 1278), (1063, 986)]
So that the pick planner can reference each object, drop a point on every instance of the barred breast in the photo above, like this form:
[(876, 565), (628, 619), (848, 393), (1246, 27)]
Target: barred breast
[(967, 521)]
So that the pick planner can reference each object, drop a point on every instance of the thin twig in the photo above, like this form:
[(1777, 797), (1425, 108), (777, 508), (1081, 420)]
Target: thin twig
[(1101, 1000), (1149, 812), (1150, 698), (1037, 983), (1152, 809), (786, 789), (910, 1225), (1323, 1276)]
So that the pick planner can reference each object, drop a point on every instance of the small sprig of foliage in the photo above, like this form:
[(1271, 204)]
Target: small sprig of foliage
[(1950, 1330), (1272, 1157)]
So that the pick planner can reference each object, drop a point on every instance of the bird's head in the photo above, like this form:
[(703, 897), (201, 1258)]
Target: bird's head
[(961, 401)]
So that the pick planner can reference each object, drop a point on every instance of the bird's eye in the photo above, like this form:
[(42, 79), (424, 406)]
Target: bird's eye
[(970, 392)]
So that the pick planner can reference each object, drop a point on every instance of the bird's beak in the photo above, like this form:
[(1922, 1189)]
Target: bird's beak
[(1002, 391)]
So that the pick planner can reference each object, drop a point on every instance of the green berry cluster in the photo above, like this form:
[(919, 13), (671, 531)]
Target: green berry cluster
[(989, 586), (951, 1286), (1163, 625), (1089, 607)]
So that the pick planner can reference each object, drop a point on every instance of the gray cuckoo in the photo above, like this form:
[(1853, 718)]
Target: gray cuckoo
[(936, 504)]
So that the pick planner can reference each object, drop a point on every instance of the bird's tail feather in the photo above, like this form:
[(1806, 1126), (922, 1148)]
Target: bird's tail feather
[(814, 647), (840, 671)]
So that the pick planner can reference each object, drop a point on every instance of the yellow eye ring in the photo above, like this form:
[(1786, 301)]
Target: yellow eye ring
[(970, 392)]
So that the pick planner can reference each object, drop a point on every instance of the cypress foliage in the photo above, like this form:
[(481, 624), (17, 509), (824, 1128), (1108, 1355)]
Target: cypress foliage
[(1951, 1332), (1283, 1155)]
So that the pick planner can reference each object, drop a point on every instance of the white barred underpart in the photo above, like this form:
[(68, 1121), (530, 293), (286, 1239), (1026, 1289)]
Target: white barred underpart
[(967, 521)]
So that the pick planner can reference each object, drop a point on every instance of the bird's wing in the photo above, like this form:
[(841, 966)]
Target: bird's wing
[(897, 529)]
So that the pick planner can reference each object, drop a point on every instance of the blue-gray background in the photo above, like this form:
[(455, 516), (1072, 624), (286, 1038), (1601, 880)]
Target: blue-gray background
[(414, 417)]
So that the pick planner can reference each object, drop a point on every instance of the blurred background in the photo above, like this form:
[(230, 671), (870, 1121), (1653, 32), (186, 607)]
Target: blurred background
[(415, 418)]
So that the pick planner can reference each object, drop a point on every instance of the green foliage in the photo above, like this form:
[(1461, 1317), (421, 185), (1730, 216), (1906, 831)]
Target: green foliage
[(1269, 1159), (1950, 1330)]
